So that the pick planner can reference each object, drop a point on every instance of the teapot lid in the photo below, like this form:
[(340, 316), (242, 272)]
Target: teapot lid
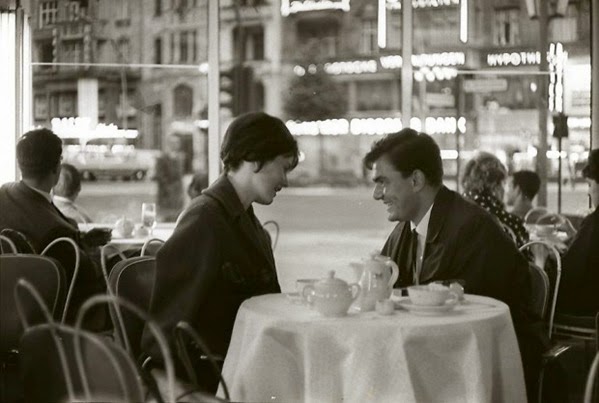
[(330, 282)]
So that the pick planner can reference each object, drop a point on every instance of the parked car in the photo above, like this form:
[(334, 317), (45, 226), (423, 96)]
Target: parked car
[(99, 158)]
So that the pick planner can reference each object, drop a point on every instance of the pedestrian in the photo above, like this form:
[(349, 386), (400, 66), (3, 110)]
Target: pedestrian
[(169, 177)]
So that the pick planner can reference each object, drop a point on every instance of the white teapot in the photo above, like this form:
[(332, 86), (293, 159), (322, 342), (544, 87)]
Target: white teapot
[(331, 296), (377, 274)]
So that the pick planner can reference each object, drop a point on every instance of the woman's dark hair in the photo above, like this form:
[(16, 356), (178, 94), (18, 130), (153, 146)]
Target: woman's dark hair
[(257, 137), (38, 153), (409, 150), (591, 170), (528, 182), (69, 182)]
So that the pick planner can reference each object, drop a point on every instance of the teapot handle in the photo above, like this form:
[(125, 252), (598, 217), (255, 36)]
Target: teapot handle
[(394, 272), (355, 291)]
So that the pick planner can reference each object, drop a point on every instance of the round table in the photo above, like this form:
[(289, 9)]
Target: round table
[(281, 351)]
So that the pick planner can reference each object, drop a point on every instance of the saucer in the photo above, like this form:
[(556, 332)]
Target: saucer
[(427, 310), (294, 297)]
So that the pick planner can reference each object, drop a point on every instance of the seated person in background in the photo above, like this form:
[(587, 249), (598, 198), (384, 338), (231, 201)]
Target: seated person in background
[(483, 180), (26, 206), (522, 188), (442, 236), (199, 182), (66, 191), (579, 288), (219, 254)]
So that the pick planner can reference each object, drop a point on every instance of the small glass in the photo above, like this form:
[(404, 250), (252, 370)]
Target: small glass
[(148, 216)]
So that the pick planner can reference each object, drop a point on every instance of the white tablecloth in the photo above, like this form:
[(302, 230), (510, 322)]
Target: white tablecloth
[(288, 353)]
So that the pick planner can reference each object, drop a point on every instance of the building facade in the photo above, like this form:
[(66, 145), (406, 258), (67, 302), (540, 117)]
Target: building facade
[(468, 95)]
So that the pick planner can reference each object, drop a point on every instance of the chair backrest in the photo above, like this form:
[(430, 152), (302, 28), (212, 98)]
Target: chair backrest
[(133, 280), (161, 341), (185, 330), (54, 357), (552, 296), (7, 245), (590, 389), (539, 281), (533, 215), (151, 247), (19, 239), (72, 271), (46, 275), (274, 233)]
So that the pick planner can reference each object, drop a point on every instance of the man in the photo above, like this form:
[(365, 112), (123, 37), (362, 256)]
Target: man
[(580, 273), (522, 188), (441, 236), (66, 191), (26, 206)]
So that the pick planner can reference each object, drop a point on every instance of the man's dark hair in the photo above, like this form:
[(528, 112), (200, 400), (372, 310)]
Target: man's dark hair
[(591, 170), (409, 150), (69, 182), (528, 182), (257, 137), (38, 153)]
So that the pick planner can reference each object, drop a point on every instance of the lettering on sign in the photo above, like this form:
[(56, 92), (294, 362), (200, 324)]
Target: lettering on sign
[(513, 59), (297, 6), (485, 85)]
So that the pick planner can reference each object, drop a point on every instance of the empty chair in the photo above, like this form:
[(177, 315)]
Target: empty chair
[(7, 245), (46, 275), (540, 250), (64, 363), (168, 391), (73, 271), (133, 280), (22, 243)]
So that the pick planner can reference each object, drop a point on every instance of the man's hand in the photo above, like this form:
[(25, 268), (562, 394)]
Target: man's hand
[(97, 237)]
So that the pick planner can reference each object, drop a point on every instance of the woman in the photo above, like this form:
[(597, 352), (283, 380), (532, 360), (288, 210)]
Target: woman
[(483, 180), (219, 254)]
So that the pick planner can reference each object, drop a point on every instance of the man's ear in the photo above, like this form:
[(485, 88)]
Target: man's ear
[(418, 180)]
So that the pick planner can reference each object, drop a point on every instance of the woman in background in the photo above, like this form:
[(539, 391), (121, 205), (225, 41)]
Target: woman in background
[(483, 180)]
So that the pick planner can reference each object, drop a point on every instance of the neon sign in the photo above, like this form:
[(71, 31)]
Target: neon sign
[(297, 6), (513, 59), (375, 126), (80, 128)]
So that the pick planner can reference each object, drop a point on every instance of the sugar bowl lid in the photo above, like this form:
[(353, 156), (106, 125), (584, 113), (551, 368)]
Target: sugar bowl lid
[(330, 283)]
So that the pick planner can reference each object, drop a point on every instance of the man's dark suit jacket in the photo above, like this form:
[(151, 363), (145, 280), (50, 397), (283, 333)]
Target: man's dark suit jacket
[(25, 210), (465, 242), (217, 257), (579, 290)]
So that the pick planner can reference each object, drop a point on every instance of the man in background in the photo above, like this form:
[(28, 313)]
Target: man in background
[(26, 206), (66, 191), (522, 188)]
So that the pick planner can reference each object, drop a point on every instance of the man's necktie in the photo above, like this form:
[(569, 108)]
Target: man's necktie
[(414, 256)]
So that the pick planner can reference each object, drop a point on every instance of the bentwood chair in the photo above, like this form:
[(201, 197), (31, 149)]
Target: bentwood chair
[(591, 393), (534, 214), (133, 280), (7, 245), (273, 233), (167, 393), (49, 278), (22, 243), (539, 250), (62, 362), (72, 273), (185, 335), (151, 247)]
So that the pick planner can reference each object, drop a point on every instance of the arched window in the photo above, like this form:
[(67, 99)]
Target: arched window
[(183, 95)]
